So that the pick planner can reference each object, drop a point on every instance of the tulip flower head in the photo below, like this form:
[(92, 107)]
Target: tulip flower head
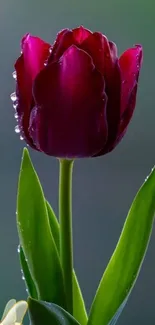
[(14, 312), (75, 98)]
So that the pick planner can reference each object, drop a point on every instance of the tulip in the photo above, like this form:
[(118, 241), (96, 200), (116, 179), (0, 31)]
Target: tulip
[(75, 98)]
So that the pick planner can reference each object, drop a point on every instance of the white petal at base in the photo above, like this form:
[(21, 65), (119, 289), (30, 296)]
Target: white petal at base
[(8, 306), (16, 314)]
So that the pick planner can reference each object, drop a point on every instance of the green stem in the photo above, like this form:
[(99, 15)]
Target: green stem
[(65, 218)]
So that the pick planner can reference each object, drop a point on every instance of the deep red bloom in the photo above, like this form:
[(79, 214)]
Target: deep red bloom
[(76, 97)]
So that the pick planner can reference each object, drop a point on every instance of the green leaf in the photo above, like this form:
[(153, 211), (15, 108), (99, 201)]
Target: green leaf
[(54, 225), (43, 313), (28, 278), (79, 311), (125, 263), (36, 238), (119, 311)]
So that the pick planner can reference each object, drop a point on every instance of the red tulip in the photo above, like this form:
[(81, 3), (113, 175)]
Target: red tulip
[(76, 97)]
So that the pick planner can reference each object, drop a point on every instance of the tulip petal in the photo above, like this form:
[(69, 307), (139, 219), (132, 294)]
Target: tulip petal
[(34, 54), (67, 38), (69, 119), (80, 34), (130, 64), (104, 55), (127, 115), (63, 40)]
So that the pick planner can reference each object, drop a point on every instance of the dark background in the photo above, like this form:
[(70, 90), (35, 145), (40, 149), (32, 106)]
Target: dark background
[(103, 188)]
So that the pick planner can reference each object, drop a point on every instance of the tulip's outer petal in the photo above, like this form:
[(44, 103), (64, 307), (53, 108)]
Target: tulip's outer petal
[(67, 38), (104, 55), (126, 116), (113, 50), (130, 64), (34, 54), (69, 119)]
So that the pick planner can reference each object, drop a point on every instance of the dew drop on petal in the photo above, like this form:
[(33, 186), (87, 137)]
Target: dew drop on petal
[(13, 97), (21, 137), (16, 115), (18, 249), (17, 129), (50, 49), (14, 75), (15, 105)]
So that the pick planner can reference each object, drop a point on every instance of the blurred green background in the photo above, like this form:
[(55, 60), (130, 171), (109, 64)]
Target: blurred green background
[(104, 187)]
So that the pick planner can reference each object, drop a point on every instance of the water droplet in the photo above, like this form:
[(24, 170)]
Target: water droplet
[(17, 129), (19, 223), (13, 97), (16, 115), (29, 243), (21, 137), (14, 75), (18, 249), (15, 105), (50, 49), (23, 277), (45, 64), (146, 178), (27, 290)]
